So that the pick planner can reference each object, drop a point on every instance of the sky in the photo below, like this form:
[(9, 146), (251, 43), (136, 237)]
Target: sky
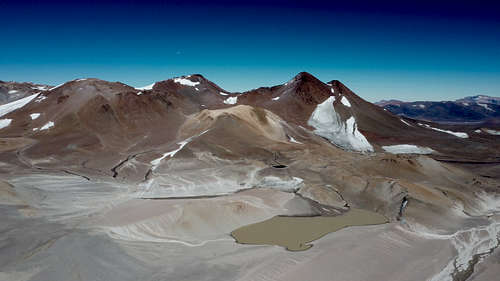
[(407, 50)]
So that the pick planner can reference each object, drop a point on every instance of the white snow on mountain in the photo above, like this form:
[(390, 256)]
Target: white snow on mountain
[(483, 99), (148, 87), (294, 140), (41, 88), (345, 101), (276, 98), (11, 106), (13, 91), (456, 134), (40, 98), (57, 86), (4, 123), (34, 116), (485, 106), (407, 148), (231, 100), (185, 81), (49, 124), (405, 122), (328, 124), (492, 132), (223, 94), (274, 182), (157, 161)]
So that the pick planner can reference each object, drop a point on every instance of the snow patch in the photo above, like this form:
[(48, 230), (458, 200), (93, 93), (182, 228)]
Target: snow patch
[(13, 91), (405, 122), (41, 98), (57, 86), (139, 93), (34, 116), (231, 100), (4, 123), (49, 124), (83, 79), (223, 94), (294, 140), (185, 82), (492, 132), (156, 162), (273, 182), (11, 106), (478, 131), (345, 101), (456, 134), (407, 148), (485, 106), (41, 88), (328, 124), (276, 98), (332, 90), (148, 87)]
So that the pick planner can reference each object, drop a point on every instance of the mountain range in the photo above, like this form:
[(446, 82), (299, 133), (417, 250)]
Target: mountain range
[(150, 183), (478, 108)]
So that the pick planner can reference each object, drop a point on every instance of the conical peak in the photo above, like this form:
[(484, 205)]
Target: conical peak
[(341, 88), (306, 77)]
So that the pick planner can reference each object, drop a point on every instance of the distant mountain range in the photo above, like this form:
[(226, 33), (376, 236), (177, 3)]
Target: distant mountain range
[(478, 108)]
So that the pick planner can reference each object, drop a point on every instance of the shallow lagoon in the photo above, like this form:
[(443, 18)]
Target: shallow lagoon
[(296, 233)]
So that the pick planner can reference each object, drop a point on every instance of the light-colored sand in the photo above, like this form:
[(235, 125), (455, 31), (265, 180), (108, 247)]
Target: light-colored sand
[(196, 221), (261, 121), (380, 252)]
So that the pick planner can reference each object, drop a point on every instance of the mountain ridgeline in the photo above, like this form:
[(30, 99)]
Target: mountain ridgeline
[(102, 122), (478, 108)]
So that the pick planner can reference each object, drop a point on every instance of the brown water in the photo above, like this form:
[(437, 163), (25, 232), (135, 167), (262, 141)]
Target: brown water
[(296, 233)]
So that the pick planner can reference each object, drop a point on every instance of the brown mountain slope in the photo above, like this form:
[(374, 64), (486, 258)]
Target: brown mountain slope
[(95, 125)]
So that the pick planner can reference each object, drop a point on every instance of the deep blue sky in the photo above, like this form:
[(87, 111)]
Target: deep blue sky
[(409, 50)]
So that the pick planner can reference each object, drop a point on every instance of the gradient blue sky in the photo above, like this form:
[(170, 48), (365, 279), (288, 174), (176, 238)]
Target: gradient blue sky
[(409, 50)]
